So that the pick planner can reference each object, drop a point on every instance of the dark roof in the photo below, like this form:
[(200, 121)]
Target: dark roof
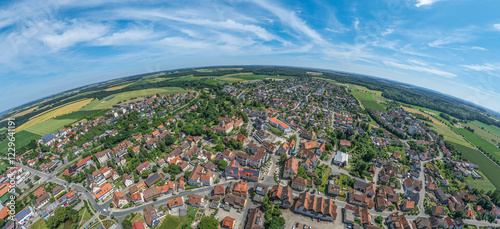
[(360, 185), (152, 179), (423, 223)]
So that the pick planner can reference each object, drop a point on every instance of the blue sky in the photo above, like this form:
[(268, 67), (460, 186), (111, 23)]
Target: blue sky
[(451, 46)]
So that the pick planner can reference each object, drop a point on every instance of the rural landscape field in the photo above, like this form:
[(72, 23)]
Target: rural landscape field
[(260, 114)]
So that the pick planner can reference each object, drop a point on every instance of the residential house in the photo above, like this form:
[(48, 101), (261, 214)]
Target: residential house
[(290, 169), (316, 207), (228, 223), (151, 216), (256, 219), (119, 200), (176, 202), (201, 176), (197, 201), (282, 195), (239, 188), (299, 183)]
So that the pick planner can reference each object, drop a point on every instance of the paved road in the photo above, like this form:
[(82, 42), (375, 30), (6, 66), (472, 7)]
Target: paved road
[(422, 179), (77, 187)]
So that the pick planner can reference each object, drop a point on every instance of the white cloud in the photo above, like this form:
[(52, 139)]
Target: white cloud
[(480, 68), (228, 24), (496, 26), (421, 69), (457, 38), (125, 37), (425, 2), (290, 18), (72, 35)]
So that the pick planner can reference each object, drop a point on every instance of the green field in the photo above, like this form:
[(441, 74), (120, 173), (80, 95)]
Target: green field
[(156, 80), (22, 139), (479, 142), (99, 114), (484, 184), (370, 99), (90, 105), (483, 133), (172, 222), (486, 166), (211, 81), (78, 115), (490, 128), (124, 96), (187, 78), (367, 100), (40, 224), (4, 166), (50, 126), (489, 169)]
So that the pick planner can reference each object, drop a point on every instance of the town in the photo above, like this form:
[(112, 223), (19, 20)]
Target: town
[(299, 153)]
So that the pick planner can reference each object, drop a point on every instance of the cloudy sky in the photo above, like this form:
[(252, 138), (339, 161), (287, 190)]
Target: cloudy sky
[(451, 46)]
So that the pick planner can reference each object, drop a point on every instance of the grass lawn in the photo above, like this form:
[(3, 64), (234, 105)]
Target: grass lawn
[(86, 217), (137, 218), (479, 142), (40, 224), (124, 96), (22, 138), (172, 222), (50, 126), (108, 223)]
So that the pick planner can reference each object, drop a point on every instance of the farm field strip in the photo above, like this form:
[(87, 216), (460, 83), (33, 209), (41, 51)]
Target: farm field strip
[(490, 128), (22, 112), (489, 169), (64, 109), (124, 96), (367, 100), (434, 120), (22, 139), (50, 126), (118, 87), (484, 133), (479, 142)]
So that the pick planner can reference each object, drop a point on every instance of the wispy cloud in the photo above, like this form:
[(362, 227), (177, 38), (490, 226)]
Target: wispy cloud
[(480, 67), (228, 24), (126, 37), (291, 19), (425, 2), (421, 69), (496, 26)]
